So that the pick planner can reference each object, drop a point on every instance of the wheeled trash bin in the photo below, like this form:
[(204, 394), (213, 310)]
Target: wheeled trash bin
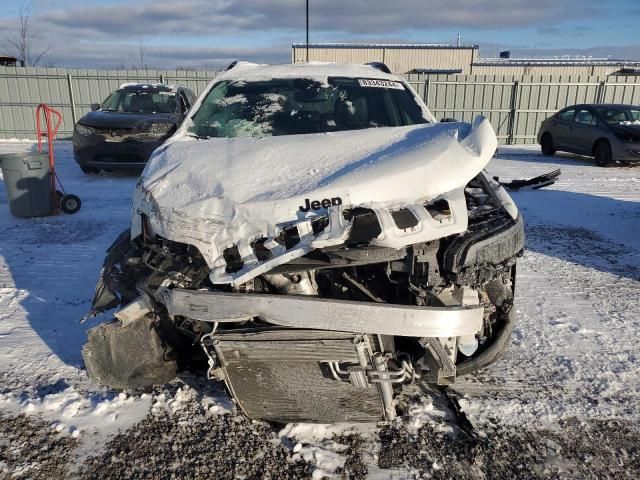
[(27, 179)]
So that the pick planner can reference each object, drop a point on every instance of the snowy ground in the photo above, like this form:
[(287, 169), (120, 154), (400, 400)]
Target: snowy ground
[(562, 403)]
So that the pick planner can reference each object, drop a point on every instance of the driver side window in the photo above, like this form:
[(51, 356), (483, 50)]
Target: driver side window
[(585, 117), (567, 115)]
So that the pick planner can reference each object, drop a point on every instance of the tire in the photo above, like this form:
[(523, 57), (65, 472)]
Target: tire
[(89, 170), (70, 204), (602, 153), (546, 145)]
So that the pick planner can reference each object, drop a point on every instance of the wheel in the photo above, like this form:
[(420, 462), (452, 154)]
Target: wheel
[(70, 204), (602, 152), (89, 169), (546, 144)]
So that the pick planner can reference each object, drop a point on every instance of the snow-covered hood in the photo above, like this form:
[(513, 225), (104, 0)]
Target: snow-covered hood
[(216, 192)]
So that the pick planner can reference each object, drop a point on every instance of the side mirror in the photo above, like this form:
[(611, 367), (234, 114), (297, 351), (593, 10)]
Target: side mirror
[(448, 120), (95, 106)]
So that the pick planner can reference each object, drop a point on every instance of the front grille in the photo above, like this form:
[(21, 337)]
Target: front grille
[(113, 132)]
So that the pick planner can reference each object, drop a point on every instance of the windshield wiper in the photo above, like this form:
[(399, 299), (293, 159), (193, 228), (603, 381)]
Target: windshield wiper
[(199, 137)]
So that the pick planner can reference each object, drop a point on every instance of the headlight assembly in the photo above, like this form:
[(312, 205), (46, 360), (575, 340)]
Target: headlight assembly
[(626, 137), (84, 130)]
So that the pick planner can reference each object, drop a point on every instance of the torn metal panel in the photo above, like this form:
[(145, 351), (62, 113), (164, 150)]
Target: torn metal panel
[(326, 314), (541, 181)]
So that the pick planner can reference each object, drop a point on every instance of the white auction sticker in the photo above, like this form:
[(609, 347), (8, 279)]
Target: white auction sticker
[(367, 82)]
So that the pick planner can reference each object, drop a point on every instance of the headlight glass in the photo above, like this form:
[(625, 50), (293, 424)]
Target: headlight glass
[(626, 137), (84, 130)]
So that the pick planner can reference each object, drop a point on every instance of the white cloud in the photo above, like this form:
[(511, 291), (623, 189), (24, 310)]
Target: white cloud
[(108, 35)]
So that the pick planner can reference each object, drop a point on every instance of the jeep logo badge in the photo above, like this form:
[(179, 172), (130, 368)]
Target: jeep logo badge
[(318, 204)]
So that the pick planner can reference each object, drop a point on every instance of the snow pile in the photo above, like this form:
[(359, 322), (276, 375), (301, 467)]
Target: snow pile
[(318, 444), (73, 412), (630, 122)]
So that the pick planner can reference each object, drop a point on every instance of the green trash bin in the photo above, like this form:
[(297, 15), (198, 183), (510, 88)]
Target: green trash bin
[(28, 183)]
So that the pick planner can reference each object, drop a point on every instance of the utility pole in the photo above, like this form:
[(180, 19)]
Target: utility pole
[(307, 31)]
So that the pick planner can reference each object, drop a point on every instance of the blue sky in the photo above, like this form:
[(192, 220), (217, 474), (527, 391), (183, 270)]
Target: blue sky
[(210, 33)]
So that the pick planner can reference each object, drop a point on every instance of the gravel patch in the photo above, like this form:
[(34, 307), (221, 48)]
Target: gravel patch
[(31, 449), (193, 444), (594, 449)]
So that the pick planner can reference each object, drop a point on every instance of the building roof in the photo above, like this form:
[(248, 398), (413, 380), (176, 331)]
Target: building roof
[(439, 71), (563, 61), (407, 46)]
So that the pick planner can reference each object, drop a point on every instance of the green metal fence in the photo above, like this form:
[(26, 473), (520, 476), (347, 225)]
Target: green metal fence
[(514, 105), (517, 105), (72, 92)]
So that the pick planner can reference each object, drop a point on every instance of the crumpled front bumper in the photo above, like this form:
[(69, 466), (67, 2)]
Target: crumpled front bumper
[(326, 314)]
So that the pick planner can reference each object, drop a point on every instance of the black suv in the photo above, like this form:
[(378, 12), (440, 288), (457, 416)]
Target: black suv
[(129, 125)]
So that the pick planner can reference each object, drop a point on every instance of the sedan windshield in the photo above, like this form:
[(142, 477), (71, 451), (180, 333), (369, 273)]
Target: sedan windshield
[(140, 101), (301, 106), (619, 114)]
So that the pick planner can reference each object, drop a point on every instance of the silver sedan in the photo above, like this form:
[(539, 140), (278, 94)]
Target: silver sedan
[(607, 132)]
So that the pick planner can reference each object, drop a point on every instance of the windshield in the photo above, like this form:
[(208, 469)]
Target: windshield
[(140, 101), (300, 106), (620, 114)]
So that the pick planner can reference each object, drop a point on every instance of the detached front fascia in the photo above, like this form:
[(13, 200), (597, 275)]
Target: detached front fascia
[(217, 194)]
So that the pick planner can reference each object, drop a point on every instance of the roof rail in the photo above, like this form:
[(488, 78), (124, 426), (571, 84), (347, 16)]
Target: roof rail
[(380, 66)]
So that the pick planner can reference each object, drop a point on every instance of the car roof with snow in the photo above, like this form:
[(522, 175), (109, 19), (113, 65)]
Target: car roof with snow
[(153, 87), (601, 105), (313, 70)]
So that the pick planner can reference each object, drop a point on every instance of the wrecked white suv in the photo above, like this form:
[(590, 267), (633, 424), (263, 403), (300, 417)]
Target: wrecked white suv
[(316, 240)]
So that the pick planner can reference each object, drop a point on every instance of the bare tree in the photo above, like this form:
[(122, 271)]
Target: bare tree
[(22, 44)]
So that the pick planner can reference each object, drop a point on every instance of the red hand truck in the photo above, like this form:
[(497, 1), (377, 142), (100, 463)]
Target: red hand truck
[(60, 200)]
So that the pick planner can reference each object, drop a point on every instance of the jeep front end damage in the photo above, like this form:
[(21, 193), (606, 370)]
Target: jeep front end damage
[(324, 304), (330, 335)]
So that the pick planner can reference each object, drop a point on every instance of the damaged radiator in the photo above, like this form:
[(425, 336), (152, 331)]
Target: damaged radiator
[(285, 375)]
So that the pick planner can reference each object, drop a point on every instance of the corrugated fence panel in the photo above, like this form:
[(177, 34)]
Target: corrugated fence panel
[(22, 89), (515, 105)]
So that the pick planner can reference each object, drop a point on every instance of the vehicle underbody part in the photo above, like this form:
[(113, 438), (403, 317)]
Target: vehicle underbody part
[(333, 334), (535, 183), (129, 354)]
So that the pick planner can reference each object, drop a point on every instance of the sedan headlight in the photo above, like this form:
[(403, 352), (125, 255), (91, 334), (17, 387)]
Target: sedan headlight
[(84, 130), (626, 137)]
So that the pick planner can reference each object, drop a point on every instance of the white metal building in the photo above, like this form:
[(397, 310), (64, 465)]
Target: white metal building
[(432, 58), (400, 58)]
